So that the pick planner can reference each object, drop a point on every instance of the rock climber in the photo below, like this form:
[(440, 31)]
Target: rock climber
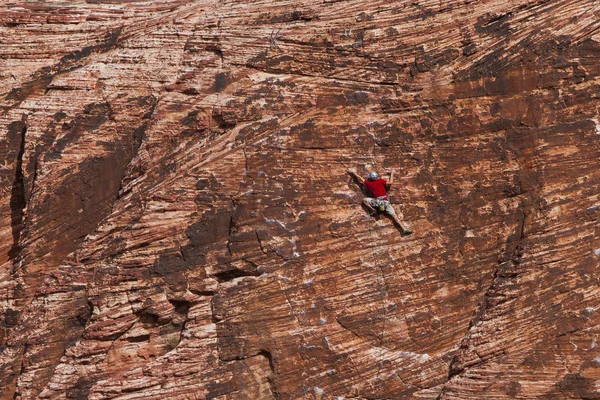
[(379, 202)]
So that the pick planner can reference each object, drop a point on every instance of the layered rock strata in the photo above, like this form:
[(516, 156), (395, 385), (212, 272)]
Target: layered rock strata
[(176, 220)]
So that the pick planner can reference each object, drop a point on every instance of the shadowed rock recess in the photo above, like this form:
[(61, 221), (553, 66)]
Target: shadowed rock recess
[(176, 221)]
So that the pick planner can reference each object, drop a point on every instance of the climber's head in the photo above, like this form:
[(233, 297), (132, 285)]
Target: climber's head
[(373, 176)]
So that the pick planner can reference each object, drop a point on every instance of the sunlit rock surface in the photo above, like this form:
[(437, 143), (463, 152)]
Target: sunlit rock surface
[(176, 221)]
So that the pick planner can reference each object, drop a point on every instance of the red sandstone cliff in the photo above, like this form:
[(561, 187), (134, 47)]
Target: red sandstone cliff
[(176, 220)]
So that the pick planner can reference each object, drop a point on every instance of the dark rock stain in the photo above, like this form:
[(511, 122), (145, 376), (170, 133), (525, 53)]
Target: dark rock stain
[(79, 203), (69, 62), (11, 317), (231, 274), (93, 117), (496, 24), (428, 61), (221, 81), (305, 132), (85, 194), (66, 63), (209, 233), (81, 390), (578, 386), (469, 50), (294, 16), (140, 132), (225, 119), (19, 94), (17, 132)]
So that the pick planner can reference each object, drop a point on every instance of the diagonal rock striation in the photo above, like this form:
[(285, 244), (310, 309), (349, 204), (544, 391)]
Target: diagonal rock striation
[(177, 221)]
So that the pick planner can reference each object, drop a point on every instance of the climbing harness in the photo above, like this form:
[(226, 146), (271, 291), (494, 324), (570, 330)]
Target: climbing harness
[(380, 203)]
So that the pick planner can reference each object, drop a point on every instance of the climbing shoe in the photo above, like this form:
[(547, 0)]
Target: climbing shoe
[(406, 231)]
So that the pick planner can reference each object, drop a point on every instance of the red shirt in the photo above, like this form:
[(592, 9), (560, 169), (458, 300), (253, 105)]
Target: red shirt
[(377, 187)]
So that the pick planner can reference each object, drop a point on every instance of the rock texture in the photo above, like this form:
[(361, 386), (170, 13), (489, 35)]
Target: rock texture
[(176, 221)]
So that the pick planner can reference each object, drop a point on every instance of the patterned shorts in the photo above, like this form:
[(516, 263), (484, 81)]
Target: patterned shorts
[(381, 205)]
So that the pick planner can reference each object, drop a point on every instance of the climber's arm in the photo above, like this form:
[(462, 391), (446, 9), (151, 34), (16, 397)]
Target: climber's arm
[(391, 180), (353, 174)]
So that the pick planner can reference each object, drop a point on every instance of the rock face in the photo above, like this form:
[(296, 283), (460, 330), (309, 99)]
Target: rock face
[(176, 220)]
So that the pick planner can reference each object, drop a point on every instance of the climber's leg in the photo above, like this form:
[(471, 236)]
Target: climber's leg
[(368, 203), (389, 210)]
